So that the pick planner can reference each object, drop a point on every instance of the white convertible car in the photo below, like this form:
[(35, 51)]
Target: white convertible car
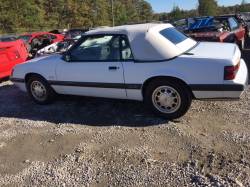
[(154, 63)]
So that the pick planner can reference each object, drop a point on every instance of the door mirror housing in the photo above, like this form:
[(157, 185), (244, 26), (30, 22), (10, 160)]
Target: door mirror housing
[(66, 57)]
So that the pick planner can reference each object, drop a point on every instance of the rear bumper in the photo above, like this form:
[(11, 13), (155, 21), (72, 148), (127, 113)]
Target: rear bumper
[(227, 91), (242, 78)]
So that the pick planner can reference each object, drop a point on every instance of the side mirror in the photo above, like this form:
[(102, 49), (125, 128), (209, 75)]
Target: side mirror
[(67, 57)]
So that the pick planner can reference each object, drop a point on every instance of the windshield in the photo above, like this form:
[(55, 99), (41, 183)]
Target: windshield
[(25, 38), (173, 35)]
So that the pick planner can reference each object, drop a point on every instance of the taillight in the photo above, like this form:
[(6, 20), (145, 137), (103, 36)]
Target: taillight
[(230, 72)]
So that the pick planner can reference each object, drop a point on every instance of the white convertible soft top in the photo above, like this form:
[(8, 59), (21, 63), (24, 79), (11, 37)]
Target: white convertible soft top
[(146, 41)]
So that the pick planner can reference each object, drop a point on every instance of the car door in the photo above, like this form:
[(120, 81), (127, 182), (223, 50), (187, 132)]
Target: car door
[(92, 68)]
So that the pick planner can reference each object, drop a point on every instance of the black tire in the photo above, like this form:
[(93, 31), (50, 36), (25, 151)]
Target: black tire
[(184, 95), (49, 94)]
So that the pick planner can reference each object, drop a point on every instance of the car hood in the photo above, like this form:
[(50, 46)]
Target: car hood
[(46, 59), (214, 50)]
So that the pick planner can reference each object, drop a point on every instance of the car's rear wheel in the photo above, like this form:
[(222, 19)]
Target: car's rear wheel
[(39, 90), (168, 99)]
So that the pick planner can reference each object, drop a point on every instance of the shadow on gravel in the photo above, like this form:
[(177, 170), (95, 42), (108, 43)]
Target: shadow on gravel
[(76, 110)]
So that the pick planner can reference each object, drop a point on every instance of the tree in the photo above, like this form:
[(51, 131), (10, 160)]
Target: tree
[(176, 13), (21, 15), (243, 7), (207, 7), (145, 12)]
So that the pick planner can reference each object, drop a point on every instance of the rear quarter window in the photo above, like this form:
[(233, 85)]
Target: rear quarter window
[(173, 35)]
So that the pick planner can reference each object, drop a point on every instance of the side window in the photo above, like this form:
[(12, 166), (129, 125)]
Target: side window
[(97, 48), (126, 51), (233, 24)]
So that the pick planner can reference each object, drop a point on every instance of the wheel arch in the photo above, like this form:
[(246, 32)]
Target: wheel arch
[(29, 75), (169, 78)]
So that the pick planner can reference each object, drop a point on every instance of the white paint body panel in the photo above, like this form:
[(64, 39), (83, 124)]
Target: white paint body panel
[(95, 72)]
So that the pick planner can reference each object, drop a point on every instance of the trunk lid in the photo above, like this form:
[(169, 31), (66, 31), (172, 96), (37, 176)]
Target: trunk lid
[(214, 50)]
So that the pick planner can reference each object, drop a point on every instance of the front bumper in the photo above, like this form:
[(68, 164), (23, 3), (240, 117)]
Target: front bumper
[(20, 83)]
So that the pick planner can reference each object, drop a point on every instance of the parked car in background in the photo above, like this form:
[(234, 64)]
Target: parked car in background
[(71, 37), (240, 19), (217, 29), (39, 40), (246, 17), (28, 38), (150, 62), (184, 24), (58, 47), (74, 34), (11, 54), (8, 38)]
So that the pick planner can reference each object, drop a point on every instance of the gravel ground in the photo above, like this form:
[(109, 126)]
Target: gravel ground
[(80, 141)]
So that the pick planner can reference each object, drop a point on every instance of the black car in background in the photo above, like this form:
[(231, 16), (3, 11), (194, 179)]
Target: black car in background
[(74, 34), (8, 38)]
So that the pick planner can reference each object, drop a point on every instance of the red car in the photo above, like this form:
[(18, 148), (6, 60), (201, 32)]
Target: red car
[(27, 38), (11, 53), (218, 29)]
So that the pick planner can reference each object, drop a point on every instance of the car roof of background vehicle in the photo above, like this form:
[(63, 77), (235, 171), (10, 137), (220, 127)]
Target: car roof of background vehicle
[(7, 38), (33, 34), (226, 17), (146, 42)]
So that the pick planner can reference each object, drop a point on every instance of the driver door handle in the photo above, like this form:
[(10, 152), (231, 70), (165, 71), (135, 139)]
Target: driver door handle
[(114, 67)]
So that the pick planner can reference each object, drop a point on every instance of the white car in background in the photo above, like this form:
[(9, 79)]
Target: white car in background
[(154, 63)]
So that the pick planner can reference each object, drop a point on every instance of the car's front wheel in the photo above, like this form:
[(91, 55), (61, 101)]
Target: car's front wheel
[(39, 90), (169, 99)]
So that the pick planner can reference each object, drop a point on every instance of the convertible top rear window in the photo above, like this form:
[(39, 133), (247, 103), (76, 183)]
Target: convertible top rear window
[(173, 35)]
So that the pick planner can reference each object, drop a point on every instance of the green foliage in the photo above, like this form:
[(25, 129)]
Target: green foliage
[(37, 15), (243, 7), (176, 13), (207, 7), (31, 15), (20, 15)]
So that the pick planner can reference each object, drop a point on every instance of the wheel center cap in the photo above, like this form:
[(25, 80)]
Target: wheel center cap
[(166, 99), (38, 90)]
